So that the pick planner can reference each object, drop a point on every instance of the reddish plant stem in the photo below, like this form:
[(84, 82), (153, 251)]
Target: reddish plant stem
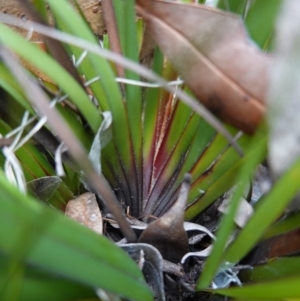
[(112, 31)]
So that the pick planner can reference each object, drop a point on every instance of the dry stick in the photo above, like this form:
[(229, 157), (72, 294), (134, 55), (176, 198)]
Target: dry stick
[(130, 65), (39, 99), (112, 31)]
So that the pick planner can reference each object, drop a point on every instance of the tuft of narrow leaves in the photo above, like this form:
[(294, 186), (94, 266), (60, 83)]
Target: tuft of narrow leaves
[(154, 137)]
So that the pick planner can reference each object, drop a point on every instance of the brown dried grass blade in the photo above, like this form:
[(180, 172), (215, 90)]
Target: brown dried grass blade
[(112, 31)]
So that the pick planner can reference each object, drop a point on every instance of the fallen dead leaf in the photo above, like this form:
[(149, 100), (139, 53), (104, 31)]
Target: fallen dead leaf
[(85, 210), (212, 53), (167, 233)]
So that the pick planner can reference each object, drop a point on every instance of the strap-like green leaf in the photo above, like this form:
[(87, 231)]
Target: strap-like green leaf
[(258, 147), (266, 213), (61, 246), (35, 282), (50, 67)]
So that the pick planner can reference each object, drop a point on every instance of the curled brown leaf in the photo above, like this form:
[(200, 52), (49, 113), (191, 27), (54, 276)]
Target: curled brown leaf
[(167, 233), (85, 210), (212, 53)]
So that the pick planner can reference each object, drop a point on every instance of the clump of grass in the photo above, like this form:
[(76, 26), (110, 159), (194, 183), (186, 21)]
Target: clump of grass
[(155, 138)]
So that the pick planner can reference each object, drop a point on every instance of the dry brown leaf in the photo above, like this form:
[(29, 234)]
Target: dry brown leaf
[(167, 233), (91, 9), (212, 53), (85, 210)]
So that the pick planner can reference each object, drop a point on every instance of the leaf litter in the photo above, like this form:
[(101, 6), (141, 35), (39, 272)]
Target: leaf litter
[(181, 275)]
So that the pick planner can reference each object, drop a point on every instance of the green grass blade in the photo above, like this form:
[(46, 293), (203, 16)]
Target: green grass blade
[(288, 224), (106, 90), (260, 17), (282, 288), (151, 120), (50, 67), (266, 213), (86, 257), (260, 21), (274, 269), (35, 165), (8, 83), (37, 285), (202, 137), (125, 15), (209, 155), (214, 180), (234, 6), (121, 146), (41, 8), (258, 146)]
